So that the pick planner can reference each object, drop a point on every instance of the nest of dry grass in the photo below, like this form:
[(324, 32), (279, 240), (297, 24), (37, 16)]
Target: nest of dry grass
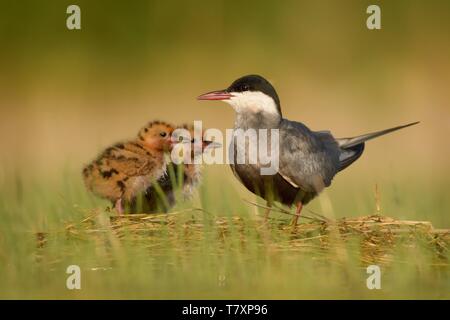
[(376, 238)]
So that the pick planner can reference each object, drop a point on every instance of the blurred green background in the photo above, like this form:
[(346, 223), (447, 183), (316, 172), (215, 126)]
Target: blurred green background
[(65, 95)]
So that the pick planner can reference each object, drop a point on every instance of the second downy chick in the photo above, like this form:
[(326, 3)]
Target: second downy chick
[(184, 176)]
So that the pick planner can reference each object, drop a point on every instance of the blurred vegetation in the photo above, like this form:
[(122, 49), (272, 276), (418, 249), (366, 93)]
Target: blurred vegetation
[(65, 95)]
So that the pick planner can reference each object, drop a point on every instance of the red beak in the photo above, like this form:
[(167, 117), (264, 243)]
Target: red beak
[(215, 95)]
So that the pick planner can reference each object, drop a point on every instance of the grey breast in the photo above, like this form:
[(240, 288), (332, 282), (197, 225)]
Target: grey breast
[(271, 188)]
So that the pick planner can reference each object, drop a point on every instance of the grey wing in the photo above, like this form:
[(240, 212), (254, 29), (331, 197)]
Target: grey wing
[(350, 155), (308, 160)]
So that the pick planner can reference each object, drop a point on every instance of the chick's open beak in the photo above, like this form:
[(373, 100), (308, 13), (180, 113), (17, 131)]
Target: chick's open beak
[(215, 95), (211, 144)]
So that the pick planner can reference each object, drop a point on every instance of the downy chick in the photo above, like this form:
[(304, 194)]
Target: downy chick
[(126, 169)]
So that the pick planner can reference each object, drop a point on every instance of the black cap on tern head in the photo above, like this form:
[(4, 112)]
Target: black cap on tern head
[(252, 83)]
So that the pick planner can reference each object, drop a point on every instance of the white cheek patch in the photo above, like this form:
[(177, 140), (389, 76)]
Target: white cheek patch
[(250, 101)]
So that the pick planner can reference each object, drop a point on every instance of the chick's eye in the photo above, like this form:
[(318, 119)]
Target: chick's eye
[(193, 140), (163, 134)]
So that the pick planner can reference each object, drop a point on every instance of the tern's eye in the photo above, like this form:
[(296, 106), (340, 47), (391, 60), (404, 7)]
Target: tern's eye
[(245, 87), (163, 134), (193, 140)]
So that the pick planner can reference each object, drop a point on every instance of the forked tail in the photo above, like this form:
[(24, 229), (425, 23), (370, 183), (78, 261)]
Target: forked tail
[(345, 143), (352, 148)]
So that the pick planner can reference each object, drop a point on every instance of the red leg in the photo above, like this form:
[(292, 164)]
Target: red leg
[(298, 209), (118, 206)]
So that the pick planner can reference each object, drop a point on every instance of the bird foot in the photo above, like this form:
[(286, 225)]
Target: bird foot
[(297, 214)]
